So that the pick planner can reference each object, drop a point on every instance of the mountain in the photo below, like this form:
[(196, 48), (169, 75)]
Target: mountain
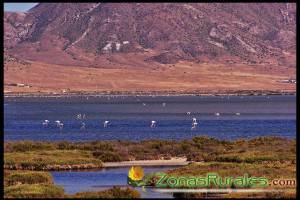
[(255, 33), (147, 35)]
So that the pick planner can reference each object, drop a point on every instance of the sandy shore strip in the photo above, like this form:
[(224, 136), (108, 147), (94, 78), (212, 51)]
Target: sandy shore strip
[(156, 93), (171, 162)]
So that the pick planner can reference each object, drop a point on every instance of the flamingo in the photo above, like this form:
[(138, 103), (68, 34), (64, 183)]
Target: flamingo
[(153, 124), (46, 122), (194, 120), (82, 126), (105, 124), (194, 125), (59, 124)]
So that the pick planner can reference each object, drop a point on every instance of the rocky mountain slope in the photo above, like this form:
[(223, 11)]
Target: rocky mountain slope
[(165, 32), (151, 46)]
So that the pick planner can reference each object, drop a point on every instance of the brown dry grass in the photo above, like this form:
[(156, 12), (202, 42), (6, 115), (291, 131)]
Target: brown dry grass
[(120, 76)]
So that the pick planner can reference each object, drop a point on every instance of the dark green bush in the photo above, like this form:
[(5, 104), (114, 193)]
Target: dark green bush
[(229, 159), (107, 156)]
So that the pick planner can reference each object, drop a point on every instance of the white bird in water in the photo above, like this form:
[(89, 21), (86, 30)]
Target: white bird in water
[(188, 113), (194, 125), (194, 120), (153, 124), (46, 122), (164, 104), (82, 126), (238, 113), (105, 124), (59, 124), (144, 104), (217, 114), (80, 116)]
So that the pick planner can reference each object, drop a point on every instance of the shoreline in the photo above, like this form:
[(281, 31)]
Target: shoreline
[(58, 156), (90, 166), (171, 162), (143, 93)]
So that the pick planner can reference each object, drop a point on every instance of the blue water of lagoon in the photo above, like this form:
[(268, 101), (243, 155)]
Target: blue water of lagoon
[(79, 181), (130, 117)]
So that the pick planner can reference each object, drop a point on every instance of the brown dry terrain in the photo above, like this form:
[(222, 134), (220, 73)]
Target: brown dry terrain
[(195, 47), (180, 77)]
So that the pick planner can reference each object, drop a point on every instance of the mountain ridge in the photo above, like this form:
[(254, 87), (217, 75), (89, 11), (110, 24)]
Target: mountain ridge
[(242, 45), (194, 31)]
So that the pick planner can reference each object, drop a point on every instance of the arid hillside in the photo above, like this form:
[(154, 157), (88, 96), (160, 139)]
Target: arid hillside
[(151, 47)]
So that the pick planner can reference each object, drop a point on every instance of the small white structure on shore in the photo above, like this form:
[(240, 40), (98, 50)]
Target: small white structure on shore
[(20, 84), (291, 80)]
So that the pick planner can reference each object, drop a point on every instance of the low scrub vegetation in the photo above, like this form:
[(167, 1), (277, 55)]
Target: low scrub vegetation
[(31, 184), (115, 192), (47, 159), (33, 191), (38, 155), (27, 177)]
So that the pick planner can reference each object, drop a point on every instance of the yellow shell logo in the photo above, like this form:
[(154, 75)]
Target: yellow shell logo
[(136, 173)]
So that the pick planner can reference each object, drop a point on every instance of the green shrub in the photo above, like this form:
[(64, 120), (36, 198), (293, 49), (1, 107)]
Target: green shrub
[(29, 178), (260, 159), (33, 191), (225, 158), (36, 165), (107, 156), (23, 146), (115, 192), (65, 145)]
